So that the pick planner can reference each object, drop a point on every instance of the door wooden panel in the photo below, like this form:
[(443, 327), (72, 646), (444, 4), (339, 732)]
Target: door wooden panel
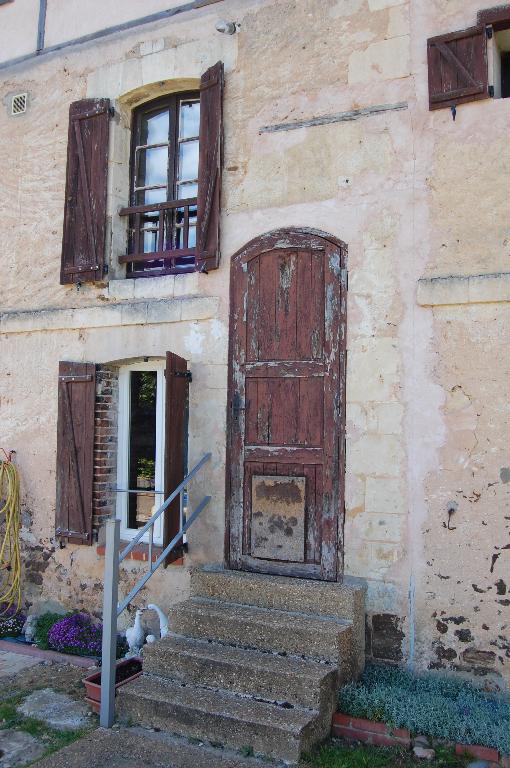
[(286, 405)]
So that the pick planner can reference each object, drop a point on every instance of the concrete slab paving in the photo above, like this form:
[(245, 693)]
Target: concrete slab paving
[(139, 748), (12, 663), (18, 748), (57, 710)]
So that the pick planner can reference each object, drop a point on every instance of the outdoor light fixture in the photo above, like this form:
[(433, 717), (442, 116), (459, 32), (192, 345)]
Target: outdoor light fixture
[(226, 27)]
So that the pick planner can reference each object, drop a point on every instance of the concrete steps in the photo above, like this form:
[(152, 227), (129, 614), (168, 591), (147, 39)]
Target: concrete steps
[(267, 676), (301, 634), (223, 718), (252, 662)]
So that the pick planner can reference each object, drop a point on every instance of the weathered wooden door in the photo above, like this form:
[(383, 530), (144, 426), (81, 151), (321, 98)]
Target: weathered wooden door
[(285, 465)]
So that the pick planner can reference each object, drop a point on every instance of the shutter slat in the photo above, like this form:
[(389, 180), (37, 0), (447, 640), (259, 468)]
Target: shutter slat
[(75, 451), (83, 241), (175, 437), (457, 67), (209, 168)]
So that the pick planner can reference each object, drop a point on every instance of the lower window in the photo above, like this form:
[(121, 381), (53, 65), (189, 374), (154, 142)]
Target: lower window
[(140, 469)]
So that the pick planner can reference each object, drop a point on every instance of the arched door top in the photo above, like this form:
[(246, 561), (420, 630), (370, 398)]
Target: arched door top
[(288, 237)]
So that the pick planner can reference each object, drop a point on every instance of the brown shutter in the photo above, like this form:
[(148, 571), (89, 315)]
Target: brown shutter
[(458, 67), (75, 451), (83, 242), (176, 403), (209, 168)]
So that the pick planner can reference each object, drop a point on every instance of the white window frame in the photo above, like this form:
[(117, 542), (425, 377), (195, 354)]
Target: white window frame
[(123, 447)]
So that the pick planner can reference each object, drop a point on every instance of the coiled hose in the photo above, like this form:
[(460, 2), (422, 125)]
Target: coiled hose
[(10, 524)]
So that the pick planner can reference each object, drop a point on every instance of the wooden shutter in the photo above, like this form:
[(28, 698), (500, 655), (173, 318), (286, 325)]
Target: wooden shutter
[(209, 168), (75, 451), (176, 403), (458, 67), (83, 242)]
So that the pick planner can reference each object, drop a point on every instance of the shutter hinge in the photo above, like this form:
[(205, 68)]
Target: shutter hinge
[(184, 375), (489, 32), (491, 91), (111, 111)]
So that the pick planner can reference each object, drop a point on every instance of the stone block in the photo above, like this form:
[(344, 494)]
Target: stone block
[(375, 527), (386, 636), (379, 5), (384, 496), (163, 311), (155, 288), (382, 60), (489, 288), (121, 289), (375, 455), (443, 290), (372, 373), (202, 308)]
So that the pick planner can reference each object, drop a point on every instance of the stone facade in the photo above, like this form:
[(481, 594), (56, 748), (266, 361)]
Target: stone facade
[(421, 202)]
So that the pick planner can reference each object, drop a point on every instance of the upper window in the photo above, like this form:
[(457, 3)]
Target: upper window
[(472, 63), (164, 171), (175, 194)]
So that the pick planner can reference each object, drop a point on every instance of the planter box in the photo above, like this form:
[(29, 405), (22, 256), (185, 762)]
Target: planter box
[(92, 683)]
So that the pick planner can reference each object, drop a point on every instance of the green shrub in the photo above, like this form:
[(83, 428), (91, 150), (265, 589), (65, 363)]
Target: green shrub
[(436, 705), (43, 625)]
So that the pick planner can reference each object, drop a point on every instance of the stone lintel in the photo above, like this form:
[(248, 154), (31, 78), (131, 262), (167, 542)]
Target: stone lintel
[(110, 315), (464, 289)]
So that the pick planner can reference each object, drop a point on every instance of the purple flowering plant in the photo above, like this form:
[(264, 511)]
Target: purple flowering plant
[(78, 634)]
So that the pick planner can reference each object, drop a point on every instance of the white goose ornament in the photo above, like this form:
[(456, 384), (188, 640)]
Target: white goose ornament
[(135, 635), (163, 621)]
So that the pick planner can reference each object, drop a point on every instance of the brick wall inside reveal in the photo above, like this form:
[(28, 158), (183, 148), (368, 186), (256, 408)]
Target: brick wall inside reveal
[(105, 444)]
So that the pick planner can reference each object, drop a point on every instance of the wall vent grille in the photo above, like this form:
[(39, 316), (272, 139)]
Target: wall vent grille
[(19, 104)]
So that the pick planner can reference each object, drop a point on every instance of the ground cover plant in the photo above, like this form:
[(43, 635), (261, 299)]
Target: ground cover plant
[(441, 706), (336, 754)]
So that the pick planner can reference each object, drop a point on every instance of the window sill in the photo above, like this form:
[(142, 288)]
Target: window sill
[(166, 286), (140, 553)]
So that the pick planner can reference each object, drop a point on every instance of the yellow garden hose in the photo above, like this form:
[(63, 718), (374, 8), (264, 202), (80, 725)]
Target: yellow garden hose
[(10, 523)]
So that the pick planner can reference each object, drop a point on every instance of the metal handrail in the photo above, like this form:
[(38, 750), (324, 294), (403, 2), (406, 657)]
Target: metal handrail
[(112, 608), (166, 503)]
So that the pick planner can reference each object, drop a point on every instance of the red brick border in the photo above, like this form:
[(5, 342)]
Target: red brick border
[(380, 735), (140, 552), (368, 731), (481, 753), (37, 653)]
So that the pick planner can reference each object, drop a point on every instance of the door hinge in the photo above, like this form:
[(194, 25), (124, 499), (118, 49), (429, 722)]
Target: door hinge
[(184, 375)]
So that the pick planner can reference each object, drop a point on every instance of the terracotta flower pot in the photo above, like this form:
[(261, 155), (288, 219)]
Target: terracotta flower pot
[(126, 671)]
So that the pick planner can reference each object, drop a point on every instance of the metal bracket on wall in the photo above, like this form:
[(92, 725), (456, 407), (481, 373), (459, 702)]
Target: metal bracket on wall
[(184, 375)]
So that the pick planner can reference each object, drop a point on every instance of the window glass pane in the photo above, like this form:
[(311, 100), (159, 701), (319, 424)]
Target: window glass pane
[(152, 166), (142, 446), (192, 237), (188, 161), (154, 128), (186, 190), (189, 122), (150, 241), (148, 196)]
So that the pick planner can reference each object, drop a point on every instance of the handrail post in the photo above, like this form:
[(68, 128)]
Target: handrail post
[(109, 646)]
